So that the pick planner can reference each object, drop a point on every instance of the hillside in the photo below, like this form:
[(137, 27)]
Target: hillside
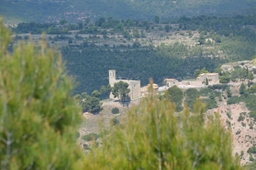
[(140, 50), (79, 10)]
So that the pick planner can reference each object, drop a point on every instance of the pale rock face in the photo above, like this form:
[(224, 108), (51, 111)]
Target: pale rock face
[(243, 131)]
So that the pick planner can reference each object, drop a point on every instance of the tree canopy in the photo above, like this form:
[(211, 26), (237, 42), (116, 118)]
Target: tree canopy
[(121, 90), (152, 136), (37, 113), (175, 94)]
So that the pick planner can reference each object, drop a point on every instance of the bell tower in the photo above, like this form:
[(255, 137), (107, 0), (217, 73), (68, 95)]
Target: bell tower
[(112, 77)]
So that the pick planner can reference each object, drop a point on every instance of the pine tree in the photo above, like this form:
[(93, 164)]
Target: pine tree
[(229, 93), (38, 116), (206, 82), (242, 89), (152, 136)]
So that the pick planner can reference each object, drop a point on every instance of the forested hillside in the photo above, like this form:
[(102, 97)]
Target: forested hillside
[(141, 49), (79, 10)]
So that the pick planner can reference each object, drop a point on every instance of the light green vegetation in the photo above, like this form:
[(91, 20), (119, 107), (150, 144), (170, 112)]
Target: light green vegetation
[(39, 119), (38, 116), (153, 137)]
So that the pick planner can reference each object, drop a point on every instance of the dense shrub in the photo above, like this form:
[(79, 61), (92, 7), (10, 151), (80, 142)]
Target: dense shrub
[(252, 114), (233, 100), (241, 117), (218, 86), (175, 94), (115, 110), (90, 137), (252, 149)]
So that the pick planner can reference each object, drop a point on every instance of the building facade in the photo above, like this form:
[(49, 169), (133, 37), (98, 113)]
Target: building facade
[(213, 78), (134, 85)]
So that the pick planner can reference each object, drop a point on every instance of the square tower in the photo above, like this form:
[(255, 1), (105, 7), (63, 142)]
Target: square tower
[(112, 77)]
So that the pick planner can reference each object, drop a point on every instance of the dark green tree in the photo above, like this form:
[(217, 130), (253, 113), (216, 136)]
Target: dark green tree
[(121, 90), (96, 93), (191, 95), (63, 21), (229, 94), (224, 79), (157, 19), (105, 91), (196, 73), (91, 104), (218, 70), (250, 76), (175, 94), (100, 21), (167, 28), (252, 89), (201, 40), (204, 70), (206, 82), (242, 89), (217, 39)]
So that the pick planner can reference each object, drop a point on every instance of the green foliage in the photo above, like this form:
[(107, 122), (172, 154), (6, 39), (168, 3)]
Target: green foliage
[(252, 149), (163, 60), (225, 79), (121, 90), (201, 40), (229, 93), (157, 19), (218, 87), (115, 110), (250, 76), (210, 103), (233, 100), (252, 114), (242, 89), (114, 121), (63, 21), (175, 94), (153, 137), (96, 93), (191, 96), (239, 73), (167, 28), (37, 113), (206, 82), (90, 137), (208, 97), (229, 115), (252, 89), (196, 73), (249, 101), (89, 103), (105, 91), (241, 117)]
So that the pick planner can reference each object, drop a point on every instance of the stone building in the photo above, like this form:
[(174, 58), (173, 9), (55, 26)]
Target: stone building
[(144, 90), (171, 82), (134, 85), (213, 78)]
